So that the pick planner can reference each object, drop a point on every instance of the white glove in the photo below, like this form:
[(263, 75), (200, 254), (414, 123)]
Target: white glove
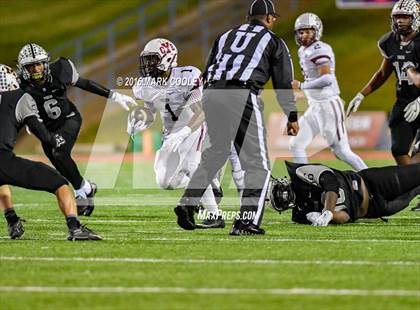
[(354, 104), (313, 216), (412, 110), (134, 127), (323, 220), (123, 100), (173, 141), (407, 65)]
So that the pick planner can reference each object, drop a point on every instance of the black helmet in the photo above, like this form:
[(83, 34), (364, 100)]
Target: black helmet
[(282, 197)]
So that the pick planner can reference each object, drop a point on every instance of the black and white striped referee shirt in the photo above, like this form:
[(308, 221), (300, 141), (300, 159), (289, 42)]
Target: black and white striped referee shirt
[(252, 53)]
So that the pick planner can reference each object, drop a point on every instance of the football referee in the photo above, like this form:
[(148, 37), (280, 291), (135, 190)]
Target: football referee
[(241, 62)]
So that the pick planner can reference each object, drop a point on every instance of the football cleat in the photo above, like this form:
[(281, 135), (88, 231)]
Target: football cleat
[(86, 205), (212, 222), (416, 208), (241, 228), (185, 214), (16, 230), (82, 233)]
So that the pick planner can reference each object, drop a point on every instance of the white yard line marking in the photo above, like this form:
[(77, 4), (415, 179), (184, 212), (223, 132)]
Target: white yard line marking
[(210, 291), (208, 261)]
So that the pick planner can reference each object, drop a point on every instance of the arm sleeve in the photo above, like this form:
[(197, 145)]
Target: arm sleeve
[(382, 46), (93, 87), (321, 82), (195, 92), (329, 182), (211, 59), (282, 76), (38, 129), (320, 176), (26, 107)]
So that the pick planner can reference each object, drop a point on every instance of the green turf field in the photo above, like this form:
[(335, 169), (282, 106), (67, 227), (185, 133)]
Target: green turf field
[(147, 262)]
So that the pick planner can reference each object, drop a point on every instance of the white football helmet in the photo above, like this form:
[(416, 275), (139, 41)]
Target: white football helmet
[(8, 79), (158, 56), (406, 7), (33, 53), (308, 21)]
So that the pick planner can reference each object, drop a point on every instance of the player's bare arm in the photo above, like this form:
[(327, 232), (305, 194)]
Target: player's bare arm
[(379, 78), (198, 118)]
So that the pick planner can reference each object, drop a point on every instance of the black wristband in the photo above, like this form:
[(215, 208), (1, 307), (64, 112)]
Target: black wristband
[(293, 117)]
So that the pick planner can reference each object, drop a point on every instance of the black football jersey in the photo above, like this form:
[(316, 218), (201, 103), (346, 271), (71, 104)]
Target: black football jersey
[(398, 54), (15, 106), (51, 98), (310, 194)]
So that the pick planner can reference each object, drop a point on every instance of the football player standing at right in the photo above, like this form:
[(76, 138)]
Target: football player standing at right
[(401, 51), (325, 114)]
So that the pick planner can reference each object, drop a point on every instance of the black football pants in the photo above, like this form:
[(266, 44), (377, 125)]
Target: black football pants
[(61, 159), (234, 114), (28, 174), (392, 188)]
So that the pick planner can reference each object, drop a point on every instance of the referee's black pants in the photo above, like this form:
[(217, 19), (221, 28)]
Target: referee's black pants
[(62, 159), (391, 188), (234, 114)]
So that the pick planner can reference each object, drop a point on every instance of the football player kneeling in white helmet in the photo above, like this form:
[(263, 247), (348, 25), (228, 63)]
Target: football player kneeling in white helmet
[(176, 92)]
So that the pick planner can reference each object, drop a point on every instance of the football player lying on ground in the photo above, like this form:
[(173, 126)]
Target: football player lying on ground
[(18, 109), (47, 83), (320, 195), (176, 92)]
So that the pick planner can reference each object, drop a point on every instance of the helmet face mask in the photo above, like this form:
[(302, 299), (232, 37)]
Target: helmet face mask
[(8, 79), (149, 65), (33, 55), (405, 10), (308, 21), (282, 197), (159, 56)]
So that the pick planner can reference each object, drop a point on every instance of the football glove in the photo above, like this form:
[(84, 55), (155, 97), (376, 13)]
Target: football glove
[(173, 141), (407, 65), (354, 104), (412, 110), (323, 220), (137, 121), (313, 216), (57, 141), (123, 100)]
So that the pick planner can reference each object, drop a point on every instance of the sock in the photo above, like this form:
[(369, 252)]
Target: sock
[(72, 222), (10, 216), (239, 179), (87, 187), (209, 202)]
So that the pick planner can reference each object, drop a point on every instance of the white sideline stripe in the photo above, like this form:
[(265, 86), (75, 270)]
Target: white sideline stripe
[(208, 261), (90, 220), (210, 291), (234, 239)]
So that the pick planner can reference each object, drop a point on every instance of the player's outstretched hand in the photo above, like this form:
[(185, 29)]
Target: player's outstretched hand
[(313, 216), (173, 141), (412, 111), (123, 100), (323, 220), (354, 104), (292, 128)]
